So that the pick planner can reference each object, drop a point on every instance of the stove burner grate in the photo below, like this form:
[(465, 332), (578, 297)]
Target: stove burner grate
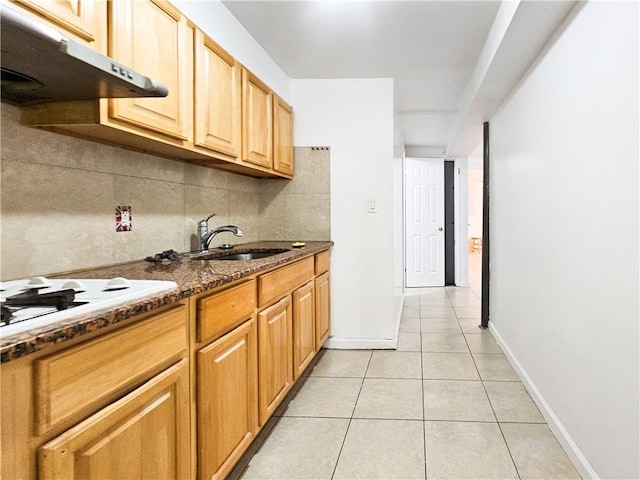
[(32, 298), (8, 314), (60, 300)]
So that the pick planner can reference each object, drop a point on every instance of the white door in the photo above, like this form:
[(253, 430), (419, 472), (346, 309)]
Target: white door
[(424, 222)]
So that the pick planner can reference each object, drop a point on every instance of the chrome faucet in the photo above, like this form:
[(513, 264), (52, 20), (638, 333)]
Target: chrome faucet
[(205, 236)]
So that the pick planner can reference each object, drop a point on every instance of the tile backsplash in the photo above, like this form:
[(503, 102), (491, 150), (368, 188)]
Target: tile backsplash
[(59, 193)]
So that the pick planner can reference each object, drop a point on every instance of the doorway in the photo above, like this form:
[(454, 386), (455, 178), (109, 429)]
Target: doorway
[(474, 232), (429, 222)]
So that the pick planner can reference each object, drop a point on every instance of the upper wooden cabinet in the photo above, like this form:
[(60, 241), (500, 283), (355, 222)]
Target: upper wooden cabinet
[(85, 20), (153, 37), (217, 113), (217, 97), (257, 121), (282, 136)]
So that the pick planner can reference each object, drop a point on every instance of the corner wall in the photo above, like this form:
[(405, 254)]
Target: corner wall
[(354, 118), (564, 236), (213, 18)]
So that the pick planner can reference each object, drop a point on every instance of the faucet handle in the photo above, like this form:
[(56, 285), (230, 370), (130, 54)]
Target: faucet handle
[(204, 221)]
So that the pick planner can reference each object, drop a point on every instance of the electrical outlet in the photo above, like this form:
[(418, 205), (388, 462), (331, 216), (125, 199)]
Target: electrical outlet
[(123, 218)]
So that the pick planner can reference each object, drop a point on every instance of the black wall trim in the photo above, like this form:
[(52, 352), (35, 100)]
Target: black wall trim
[(485, 227), (449, 223)]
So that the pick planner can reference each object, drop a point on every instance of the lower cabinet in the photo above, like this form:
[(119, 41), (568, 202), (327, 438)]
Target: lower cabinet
[(227, 400), (184, 388), (143, 435), (323, 309), (304, 344), (274, 353)]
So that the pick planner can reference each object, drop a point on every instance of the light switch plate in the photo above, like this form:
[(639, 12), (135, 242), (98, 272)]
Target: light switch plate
[(123, 218), (372, 206)]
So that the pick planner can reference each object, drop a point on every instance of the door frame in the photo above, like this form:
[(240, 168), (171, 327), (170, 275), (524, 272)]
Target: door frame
[(461, 276)]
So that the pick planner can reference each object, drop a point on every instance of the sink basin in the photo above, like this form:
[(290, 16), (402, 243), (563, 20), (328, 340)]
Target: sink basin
[(242, 255), (246, 256)]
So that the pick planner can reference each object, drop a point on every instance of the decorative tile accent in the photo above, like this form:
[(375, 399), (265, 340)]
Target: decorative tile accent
[(124, 220)]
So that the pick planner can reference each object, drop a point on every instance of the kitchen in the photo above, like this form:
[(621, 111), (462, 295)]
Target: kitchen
[(176, 196)]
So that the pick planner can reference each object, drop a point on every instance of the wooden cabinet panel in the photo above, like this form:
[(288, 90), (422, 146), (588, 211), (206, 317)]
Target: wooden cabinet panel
[(86, 20), (304, 335), (227, 385), (217, 97), (143, 435), (257, 121), (220, 312), (322, 262), (282, 137), (80, 377), (153, 37), (273, 285), (275, 371), (323, 309)]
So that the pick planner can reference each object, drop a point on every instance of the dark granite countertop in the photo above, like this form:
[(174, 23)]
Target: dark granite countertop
[(192, 275)]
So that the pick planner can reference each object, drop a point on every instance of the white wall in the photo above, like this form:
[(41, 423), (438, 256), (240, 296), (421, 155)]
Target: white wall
[(564, 236), (398, 218), (461, 218), (212, 17), (355, 118)]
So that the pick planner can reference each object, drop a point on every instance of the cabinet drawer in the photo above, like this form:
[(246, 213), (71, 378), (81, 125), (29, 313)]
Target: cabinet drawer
[(89, 375), (323, 260), (221, 312), (273, 285), (145, 434)]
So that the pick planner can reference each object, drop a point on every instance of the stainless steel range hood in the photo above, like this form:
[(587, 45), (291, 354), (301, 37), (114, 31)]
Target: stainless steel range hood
[(39, 64)]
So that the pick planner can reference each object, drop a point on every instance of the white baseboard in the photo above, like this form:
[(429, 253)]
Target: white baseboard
[(367, 343), (361, 343), (564, 438)]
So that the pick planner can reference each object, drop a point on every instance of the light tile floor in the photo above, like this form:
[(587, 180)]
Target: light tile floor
[(446, 405)]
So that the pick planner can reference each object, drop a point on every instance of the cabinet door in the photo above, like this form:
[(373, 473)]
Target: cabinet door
[(323, 309), (282, 137), (85, 19), (153, 37), (143, 435), (274, 354), (227, 380), (257, 120), (304, 335), (217, 102)]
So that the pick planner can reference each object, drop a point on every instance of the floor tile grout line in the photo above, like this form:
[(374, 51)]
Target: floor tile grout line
[(335, 467), (424, 408), (484, 388), (493, 410), (509, 450)]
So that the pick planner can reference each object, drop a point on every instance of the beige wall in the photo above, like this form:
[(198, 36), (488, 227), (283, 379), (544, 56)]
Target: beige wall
[(58, 199)]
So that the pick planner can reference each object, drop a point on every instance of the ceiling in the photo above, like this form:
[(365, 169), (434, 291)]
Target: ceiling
[(453, 62)]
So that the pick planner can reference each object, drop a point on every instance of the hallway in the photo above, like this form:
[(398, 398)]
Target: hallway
[(446, 404)]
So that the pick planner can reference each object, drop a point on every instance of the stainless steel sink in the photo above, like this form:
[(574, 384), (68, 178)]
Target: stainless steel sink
[(242, 255), (246, 256)]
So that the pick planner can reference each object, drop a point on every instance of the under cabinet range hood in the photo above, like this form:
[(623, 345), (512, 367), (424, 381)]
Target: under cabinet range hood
[(39, 64)]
